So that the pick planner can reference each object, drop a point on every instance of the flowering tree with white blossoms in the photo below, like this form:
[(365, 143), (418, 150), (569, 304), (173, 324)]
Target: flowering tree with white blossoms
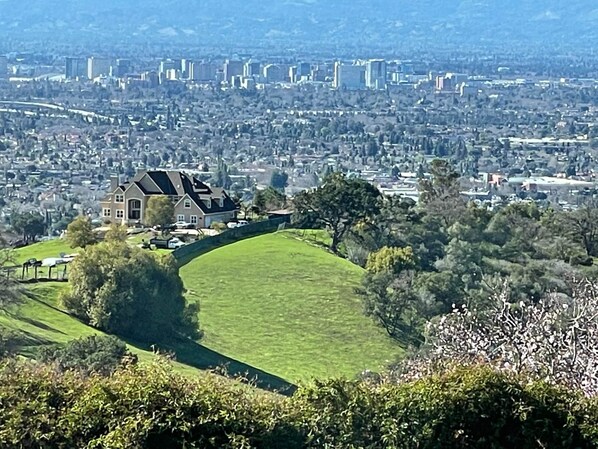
[(555, 339)]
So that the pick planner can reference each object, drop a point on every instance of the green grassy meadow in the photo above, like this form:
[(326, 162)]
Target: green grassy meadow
[(277, 307), (39, 321), (286, 306), (42, 250)]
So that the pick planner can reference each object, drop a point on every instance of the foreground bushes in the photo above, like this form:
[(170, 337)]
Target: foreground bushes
[(152, 407)]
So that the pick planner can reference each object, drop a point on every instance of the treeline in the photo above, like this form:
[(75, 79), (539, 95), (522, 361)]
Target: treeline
[(424, 259), (150, 406)]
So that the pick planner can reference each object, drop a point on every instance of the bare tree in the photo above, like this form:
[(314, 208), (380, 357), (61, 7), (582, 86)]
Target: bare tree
[(553, 340), (10, 293)]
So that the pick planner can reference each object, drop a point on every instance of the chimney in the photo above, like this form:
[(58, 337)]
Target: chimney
[(113, 182)]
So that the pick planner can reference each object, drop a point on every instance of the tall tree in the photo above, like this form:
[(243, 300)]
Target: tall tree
[(440, 194), (269, 199), (127, 291), (279, 180), (28, 224), (159, 211), (338, 204), (79, 233), (10, 293)]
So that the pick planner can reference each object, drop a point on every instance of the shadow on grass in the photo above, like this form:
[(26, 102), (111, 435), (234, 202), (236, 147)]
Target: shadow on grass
[(40, 325), (193, 354)]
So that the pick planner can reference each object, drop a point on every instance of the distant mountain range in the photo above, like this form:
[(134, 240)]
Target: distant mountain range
[(316, 24)]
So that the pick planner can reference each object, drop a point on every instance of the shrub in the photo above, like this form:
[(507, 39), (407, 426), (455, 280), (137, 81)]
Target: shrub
[(467, 408), (94, 354), (127, 291), (149, 406)]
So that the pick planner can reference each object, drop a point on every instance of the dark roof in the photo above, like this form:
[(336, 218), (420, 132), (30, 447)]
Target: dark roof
[(175, 183)]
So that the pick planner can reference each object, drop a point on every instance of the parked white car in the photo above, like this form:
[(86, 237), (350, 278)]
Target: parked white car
[(183, 225), (175, 243), (236, 224)]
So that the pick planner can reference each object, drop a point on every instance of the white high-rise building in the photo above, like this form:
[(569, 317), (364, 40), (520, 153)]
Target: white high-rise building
[(375, 74), (349, 77), (97, 67)]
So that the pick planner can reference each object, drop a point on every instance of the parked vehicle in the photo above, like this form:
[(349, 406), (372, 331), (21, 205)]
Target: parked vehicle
[(236, 224), (165, 228), (168, 243), (175, 243), (183, 225)]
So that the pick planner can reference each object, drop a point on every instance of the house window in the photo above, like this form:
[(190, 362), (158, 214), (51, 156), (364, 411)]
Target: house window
[(107, 212), (187, 204), (134, 209), (193, 219), (119, 198), (221, 201), (120, 213), (180, 217)]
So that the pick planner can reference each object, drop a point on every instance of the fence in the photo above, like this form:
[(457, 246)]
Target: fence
[(189, 252)]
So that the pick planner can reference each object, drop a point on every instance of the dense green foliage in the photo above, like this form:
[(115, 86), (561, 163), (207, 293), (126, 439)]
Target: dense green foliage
[(149, 406), (94, 354), (79, 233), (159, 212), (459, 253), (268, 199), (28, 224), (339, 204), (127, 291)]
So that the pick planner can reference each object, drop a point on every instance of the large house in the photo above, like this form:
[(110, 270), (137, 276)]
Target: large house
[(194, 201)]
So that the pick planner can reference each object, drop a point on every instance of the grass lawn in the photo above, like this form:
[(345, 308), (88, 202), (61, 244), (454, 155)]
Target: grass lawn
[(53, 248), (42, 250), (287, 307), (39, 321)]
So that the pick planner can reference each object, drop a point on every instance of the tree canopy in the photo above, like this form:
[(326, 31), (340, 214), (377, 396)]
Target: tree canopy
[(339, 204), (28, 224), (159, 211), (94, 354), (126, 291), (79, 233)]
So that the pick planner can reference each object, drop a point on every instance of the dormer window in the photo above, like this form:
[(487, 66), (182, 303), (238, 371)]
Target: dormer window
[(119, 198), (187, 204)]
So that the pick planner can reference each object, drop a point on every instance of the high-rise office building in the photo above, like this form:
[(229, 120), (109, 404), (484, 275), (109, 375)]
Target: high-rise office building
[(349, 77), (272, 74), (186, 68), (293, 74), (251, 69), (303, 70), (121, 68), (97, 66), (75, 68), (202, 71), (169, 64), (375, 74), (231, 69), (3, 67), (151, 78)]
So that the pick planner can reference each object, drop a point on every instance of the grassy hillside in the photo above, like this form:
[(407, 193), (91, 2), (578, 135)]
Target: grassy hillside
[(287, 307), (42, 250), (39, 321)]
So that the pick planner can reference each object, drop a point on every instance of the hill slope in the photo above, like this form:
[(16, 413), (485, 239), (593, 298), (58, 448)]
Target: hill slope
[(39, 322), (286, 307), (306, 23)]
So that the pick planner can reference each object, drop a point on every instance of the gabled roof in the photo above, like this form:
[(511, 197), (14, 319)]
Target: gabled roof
[(176, 183)]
